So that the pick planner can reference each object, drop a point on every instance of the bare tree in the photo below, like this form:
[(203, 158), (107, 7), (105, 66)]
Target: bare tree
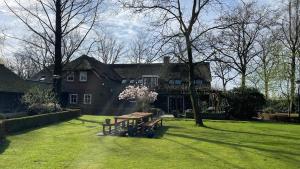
[(224, 72), (107, 49), (139, 51), (175, 20), (269, 60), (54, 21), (32, 57), (238, 43), (290, 27)]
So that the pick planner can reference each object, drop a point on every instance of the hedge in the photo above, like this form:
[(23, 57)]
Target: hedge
[(2, 134), (20, 124)]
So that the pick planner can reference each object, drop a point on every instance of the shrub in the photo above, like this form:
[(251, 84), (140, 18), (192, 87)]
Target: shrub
[(40, 100), (244, 102), (156, 111), (269, 110), (189, 114), (19, 124), (142, 95), (279, 105)]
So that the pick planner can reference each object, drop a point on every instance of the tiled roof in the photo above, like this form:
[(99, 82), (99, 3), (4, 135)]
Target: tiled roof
[(165, 71), (10, 82), (133, 71)]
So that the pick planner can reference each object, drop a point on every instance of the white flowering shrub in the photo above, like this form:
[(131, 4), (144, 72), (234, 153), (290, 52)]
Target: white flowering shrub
[(40, 100), (140, 94)]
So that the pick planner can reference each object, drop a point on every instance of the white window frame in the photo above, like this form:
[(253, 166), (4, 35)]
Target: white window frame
[(154, 80), (71, 100), (85, 100), (81, 75), (70, 74), (131, 81), (140, 81)]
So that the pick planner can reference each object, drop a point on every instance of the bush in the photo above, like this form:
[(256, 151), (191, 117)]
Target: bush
[(156, 111), (189, 114), (244, 102), (269, 110), (279, 105), (19, 124), (40, 100)]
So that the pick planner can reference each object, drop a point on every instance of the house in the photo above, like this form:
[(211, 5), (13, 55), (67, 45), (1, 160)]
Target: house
[(86, 83), (12, 87), (94, 86), (170, 80)]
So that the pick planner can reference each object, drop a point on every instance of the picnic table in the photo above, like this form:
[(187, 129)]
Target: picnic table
[(135, 117), (131, 124)]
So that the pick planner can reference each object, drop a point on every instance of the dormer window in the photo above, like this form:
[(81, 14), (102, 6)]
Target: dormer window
[(83, 76), (171, 82), (131, 81), (140, 81), (177, 82), (124, 81), (150, 80), (198, 82), (43, 78), (70, 76)]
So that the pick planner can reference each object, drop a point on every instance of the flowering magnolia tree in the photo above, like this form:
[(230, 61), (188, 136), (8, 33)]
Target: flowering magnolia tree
[(141, 94)]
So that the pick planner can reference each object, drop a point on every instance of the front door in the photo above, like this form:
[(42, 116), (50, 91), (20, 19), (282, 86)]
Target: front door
[(175, 103)]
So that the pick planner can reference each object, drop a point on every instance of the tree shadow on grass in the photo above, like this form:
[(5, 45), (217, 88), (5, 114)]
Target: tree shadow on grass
[(88, 121), (4, 144), (256, 134), (284, 153), (203, 152)]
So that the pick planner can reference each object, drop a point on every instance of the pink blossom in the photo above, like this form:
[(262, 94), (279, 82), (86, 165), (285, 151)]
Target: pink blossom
[(138, 93)]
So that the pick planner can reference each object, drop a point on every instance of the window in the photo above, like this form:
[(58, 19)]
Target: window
[(73, 98), (70, 76), (150, 80), (87, 99), (124, 81), (177, 82), (131, 81), (171, 82), (83, 76), (198, 82), (43, 78), (140, 81)]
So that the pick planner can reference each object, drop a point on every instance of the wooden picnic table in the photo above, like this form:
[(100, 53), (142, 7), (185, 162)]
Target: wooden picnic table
[(133, 123), (134, 116)]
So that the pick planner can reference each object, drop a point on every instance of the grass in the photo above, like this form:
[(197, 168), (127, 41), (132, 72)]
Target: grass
[(222, 144)]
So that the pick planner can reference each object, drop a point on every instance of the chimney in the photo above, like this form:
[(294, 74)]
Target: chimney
[(166, 59)]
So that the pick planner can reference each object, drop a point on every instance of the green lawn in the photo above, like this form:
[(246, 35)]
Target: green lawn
[(223, 144)]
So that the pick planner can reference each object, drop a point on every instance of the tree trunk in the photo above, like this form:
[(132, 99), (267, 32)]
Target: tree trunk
[(292, 81), (224, 85), (58, 53), (193, 94), (243, 80), (267, 89)]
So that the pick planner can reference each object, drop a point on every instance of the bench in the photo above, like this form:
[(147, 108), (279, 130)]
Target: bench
[(118, 125), (150, 126)]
